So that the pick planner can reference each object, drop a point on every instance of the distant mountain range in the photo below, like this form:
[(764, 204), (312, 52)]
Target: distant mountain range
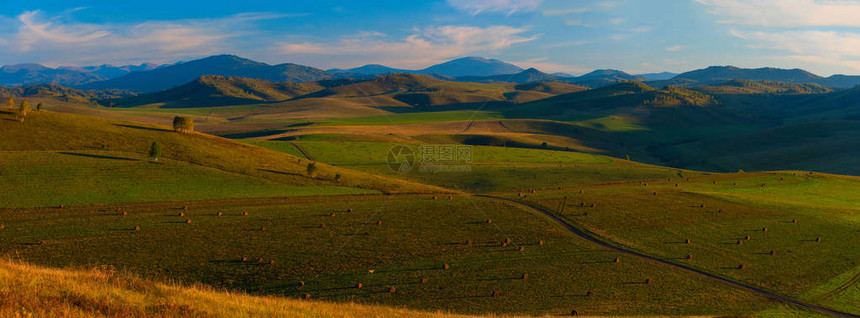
[(148, 77)]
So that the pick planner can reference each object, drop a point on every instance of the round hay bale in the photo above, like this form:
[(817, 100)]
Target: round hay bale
[(359, 286), (322, 226), (185, 207), (618, 260), (489, 221), (720, 211), (119, 209), (676, 185), (764, 229), (349, 210), (522, 249), (687, 241), (260, 260), (818, 239), (524, 277), (540, 242), (794, 221), (188, 221), (392, 290), (379, 222), (747, 238), (301, 283), (424, 280), (689, 256), (124, 213), (594, 205), (435, 197), (307, 296), (262, 229), (446, 266), (742, 266), (271, 262), (62, 206), (244, 259), (331, 214), (508, 240), (702, 206), (450, 197), (581, 191), (581, 203), (137, 228), (496, 294), (2, 226), (573, 312), (520, 194), (504, 244), (219, 213), (589, 294), (772, 252), (647, 281), (468, 242), (181, 214), (244, 213), (645, 184), (740, 242), (43, 243), (655, 192)]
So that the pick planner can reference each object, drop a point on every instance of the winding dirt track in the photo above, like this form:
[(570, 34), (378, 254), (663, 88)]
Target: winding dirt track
[(596, 240)]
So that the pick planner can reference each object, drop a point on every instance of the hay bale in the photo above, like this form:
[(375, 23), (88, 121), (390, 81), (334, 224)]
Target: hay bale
[(581, 203), (435, 197), (747, 238), (260, 260), (702, 206), (540, 242), (573, 312), (188, 221), (359, 286), (271, 262), (522, 249), (489, 221), (43, 243), (181, 214), (450, 197), (794, 221), (322, 226), (124, 213), (818, 239), (764, 229), (720, 211), (244, 259), (508, 240), (307, 296), (262, 229), (504, 244), (468, 242), (219, 213), (349, 210), (655, 192), (446, 266), (742, 266), (772, 252), (689, 256), (424, 280), (594, 205), (244, 213), (589, 294), (392, 290), (715, 181), (645, 184), (676, 185), (648, 281), (687, 241), (2, 226), (137, 228), (301, 283), (496, 294), (62, 206), (185, 207), (331, 214), (524, 277), (581, 191), (740, 242), (379, 222), (520, 194), (618, 260)]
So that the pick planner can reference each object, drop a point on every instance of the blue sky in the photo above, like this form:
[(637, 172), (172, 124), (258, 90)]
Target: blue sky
[(552, 35)]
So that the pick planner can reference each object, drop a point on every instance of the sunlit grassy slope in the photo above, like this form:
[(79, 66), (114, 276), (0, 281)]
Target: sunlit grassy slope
[(32, 291)]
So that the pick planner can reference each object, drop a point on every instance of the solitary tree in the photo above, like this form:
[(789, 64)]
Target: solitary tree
[(312, 169), (39, 107), (183, 124), (23, 110), (155, 150)]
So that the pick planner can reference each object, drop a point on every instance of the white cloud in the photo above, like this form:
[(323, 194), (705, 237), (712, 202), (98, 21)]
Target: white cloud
[(599, 6), (818, 47), (476, 7), (676, 48), (57, 40), (787, 13), (421, 48), (573, 22)]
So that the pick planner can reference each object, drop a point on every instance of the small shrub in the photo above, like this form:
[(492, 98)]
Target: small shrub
[(307, 296)]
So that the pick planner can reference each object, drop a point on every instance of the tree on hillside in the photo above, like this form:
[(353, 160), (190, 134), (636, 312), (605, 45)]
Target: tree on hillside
[(23, 110), (155, 151), (183, 124), (312, 169), (39, 107)]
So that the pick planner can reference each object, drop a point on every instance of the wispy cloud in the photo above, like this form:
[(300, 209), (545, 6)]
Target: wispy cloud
[(676, 48), (60, 40), (786, 13), (820, 47), (599, 6), (509, 7), (419, 49)]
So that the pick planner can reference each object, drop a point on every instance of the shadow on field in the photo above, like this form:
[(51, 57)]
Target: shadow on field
[(280, 172), (143, 128), (97, 156)]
